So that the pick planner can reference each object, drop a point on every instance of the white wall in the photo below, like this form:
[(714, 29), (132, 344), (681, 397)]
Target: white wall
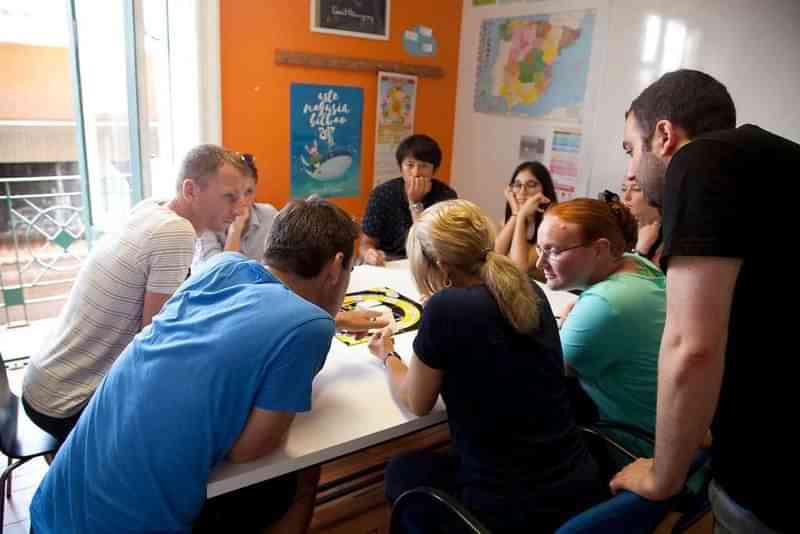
[(752, 46)]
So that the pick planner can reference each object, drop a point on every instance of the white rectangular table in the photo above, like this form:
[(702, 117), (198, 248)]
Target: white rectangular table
[(353, 408)]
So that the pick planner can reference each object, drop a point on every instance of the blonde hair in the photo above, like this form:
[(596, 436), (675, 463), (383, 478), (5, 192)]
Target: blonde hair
[(457, 233)]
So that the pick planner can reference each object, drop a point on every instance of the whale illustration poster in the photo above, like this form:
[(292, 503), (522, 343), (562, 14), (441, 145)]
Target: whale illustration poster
[(326, 140)]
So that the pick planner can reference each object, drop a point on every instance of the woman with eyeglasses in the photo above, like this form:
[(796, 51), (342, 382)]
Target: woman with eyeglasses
[(527, 194), (488, 343), (649, 238), (611, 337)]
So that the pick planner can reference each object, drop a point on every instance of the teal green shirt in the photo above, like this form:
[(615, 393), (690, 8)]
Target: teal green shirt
[(611, 340)]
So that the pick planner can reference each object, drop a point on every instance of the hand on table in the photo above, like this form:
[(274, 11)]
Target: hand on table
[(360, 320), (375, 257), (382, 343)]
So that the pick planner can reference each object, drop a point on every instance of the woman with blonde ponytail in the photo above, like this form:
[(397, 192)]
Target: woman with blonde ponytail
[(488, 343)]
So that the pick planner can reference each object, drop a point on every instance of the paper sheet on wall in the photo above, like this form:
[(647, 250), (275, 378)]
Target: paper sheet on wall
[(397, 94), (565, 157)]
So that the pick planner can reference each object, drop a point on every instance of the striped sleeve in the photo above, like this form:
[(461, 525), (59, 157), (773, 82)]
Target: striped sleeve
[(170, 251)]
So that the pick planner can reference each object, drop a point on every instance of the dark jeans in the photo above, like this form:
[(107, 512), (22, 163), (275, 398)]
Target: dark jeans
[(542, 509), (58, 427), (248, 510)]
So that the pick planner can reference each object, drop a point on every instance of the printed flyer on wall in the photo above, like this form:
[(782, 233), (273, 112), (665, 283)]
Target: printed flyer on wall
[(326, 140), (397, 94), (564, 162)]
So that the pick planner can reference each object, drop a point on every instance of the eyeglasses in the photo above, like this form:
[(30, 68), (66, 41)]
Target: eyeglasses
[(554, 254), (529, 186)]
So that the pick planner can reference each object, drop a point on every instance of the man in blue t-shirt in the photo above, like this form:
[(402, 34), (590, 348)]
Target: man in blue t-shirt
[(220, 374)]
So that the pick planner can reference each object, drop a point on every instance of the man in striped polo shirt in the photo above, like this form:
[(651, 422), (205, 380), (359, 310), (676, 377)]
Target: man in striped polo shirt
[(123, 284)]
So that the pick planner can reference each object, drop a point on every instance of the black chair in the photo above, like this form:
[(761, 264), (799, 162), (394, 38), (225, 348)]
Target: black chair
[(20, 438), (431, 511), (612, 515)]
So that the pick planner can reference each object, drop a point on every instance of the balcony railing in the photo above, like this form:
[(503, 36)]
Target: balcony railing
[(41, 248)]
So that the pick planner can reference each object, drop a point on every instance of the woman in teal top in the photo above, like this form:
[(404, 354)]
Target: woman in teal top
[(612, 335)]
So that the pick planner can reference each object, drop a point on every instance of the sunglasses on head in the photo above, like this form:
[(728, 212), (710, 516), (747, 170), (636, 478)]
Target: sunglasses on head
[(608, 196), (249, 160)]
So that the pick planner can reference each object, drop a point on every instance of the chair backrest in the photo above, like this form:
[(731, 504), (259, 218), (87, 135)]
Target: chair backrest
[(7, 399), (8, 411), (430, 511)]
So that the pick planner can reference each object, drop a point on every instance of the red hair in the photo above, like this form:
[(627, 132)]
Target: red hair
[(598, 219)]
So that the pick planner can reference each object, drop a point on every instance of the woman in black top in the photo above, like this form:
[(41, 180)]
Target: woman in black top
[(488, 342)]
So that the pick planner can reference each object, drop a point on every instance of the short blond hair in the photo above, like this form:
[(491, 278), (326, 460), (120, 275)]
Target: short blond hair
[(203, 161), (459, 234)]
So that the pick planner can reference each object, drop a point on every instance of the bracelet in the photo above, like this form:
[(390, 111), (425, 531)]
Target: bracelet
[(389, 355)]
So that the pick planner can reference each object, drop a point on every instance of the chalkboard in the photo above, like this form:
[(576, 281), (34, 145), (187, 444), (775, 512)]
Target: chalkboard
[(356, 18)]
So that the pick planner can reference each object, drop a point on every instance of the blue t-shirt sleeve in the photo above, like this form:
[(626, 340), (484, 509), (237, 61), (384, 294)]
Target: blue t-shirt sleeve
[(587, 334), (287, 381)]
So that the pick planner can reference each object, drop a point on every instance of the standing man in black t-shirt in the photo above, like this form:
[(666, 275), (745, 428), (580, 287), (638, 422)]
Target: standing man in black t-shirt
[(395, 205), (719, 365)]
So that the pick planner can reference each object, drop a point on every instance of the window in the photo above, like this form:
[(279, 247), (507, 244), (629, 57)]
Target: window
[(98, 99)]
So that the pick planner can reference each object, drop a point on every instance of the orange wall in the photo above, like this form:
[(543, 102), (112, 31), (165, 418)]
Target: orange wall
[(255, 91), (36, 83)]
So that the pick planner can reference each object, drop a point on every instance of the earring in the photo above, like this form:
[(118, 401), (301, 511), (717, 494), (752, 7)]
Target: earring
[(448, 282)]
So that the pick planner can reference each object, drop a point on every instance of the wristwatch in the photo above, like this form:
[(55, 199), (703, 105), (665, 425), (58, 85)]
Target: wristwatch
[(391, 354), (417, 206)]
